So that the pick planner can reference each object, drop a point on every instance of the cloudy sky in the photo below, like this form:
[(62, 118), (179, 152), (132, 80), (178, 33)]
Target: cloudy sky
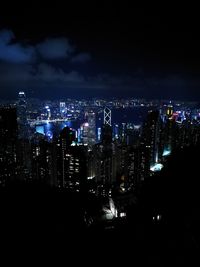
[(112, 51)]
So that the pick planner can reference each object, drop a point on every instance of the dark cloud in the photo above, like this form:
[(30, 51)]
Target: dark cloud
[(44, 74), (50, 49), (55, 63), (48, 73), (51, 77), (39, 65), (14, 52), (55, 48), (81, 58), (15, 74)]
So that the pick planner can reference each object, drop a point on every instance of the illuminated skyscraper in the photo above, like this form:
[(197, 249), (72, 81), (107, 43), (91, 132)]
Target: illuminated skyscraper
[(75, 168), (22, 116), (104, 157), (91, 118), (103, 168), (133, 135), (169, 111), (48, 112), (43, 163), (169, 136), (88, 129), (116, 131), (62, 109), (151, 135), (99, 134), (123, 132), (71, 162), (66, 137), (85, 133), (107, 116), (106, 131)]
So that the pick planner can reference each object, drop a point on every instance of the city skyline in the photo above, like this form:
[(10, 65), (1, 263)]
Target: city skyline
[(100, 132), (101, 169)]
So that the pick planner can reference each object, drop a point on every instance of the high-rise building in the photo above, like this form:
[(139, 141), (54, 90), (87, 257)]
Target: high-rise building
[(103, 168), (133, 135), (8, 144), (169, 136), (107, 116), (122, 178), (43, 164), (88, 129), (71, 162), (116, 131), (91, 119), (62, 109), (85, 133), (24, 159), (48, 112), (22, 116), (169, 111), (138, 164), (151, 135), (106, 134), (99, 134), (75, 168), (67, 137), (187, 133)]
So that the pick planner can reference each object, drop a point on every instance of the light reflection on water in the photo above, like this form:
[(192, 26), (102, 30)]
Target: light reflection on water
[(54, 128), (129, 115)]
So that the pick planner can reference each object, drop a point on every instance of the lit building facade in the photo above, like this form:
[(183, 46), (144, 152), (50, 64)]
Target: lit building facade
[(8, 144), (151, 135), (22, 116)]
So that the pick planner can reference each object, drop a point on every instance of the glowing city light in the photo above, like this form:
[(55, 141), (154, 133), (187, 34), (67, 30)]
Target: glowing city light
[(166, 152), (90, 177), (157, 167)]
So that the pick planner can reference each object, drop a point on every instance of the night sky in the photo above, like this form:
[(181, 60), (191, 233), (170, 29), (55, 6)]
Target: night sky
[(101, 50)]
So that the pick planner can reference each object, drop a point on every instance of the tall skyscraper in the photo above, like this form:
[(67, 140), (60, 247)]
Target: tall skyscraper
[(116, 131), (106, 134), (107, 116), (85, 133), (103, 168), (48, 112), (169, 111), (43, 160), (99, 134), (169, 136), (22, 116), (91, 118), (24, 146), (151, 135), (8, 144), (66, 137), (133, 135), (88, 129), (62, 109), (75, 168), (24, 159)]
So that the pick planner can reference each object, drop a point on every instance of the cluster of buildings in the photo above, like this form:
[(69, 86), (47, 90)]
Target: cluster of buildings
[(107, 161)]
